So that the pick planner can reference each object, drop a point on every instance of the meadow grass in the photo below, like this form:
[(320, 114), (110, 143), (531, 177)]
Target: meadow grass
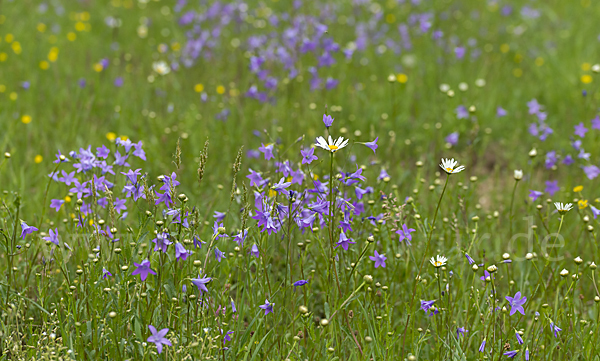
[(257, 251)]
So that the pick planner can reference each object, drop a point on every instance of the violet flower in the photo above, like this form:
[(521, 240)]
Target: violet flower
[(158, 338), (143, 269), (516, 303)]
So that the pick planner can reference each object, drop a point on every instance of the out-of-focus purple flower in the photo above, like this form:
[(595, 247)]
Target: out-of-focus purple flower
[(383, 174), (452, 138), (568, 160), (462, 112), (25, 229), (267, 151), (281, 185), (219, 216), (118, 82), (552, 187), (511, 354), (534, 195), (500, 112), (460, 52), (143, 269), (372, 145), (105, 273), (580, 130), (596, 123), (591, 171), (331, 83), (551, 159), (53, 237), (379, 259), (56, 204), (81, 83), (426, 305), (254, 251), (227, 336), (555, 329), (327, 120), (460, 331), (219, 255), (534, 106), (595, 211)]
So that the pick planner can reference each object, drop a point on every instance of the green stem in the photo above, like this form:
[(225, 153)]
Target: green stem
[(512, 200), (422, 262)]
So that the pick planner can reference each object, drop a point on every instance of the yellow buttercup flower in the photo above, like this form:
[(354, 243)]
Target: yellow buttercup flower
[(402, 78), (67, 199), (71, 36), (198, 88), (272, 193), (111, 136), (586, 79), (26, 119), (220, 89), (583, 203), (578, 189), (38, 159), (16, 47), (44, 65)]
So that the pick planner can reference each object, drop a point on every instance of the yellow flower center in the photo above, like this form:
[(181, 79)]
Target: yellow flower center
[(438, 263), (333, 147), (449, 170)]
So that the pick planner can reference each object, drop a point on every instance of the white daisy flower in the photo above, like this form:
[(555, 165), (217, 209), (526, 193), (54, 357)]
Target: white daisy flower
[(450, 166), (330, 145), (563, 208), (161, 67), (438, 261)]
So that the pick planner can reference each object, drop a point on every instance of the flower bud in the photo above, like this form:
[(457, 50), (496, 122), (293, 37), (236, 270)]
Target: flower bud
[(518, 174), (370, 239), (368, 279), (592, 266), (578, 260), (475, 268), (529, 256), (505, 256), (7, 155), (533, 153), (324, 322), (492, 269), (564, 273)]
